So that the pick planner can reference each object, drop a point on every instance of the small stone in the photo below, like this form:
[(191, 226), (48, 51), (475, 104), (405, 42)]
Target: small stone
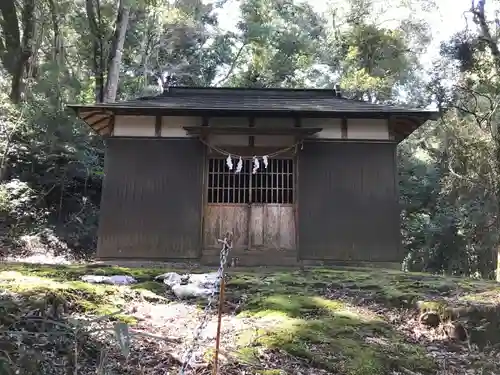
[(430, 319)]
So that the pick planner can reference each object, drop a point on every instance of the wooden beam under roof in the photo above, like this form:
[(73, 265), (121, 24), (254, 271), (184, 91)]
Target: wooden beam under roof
[(204, 130)]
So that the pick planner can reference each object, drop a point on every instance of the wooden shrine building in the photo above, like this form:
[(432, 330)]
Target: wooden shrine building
[(325, 188)]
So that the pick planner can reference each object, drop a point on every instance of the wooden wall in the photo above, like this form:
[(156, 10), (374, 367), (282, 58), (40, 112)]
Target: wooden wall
[(154, 207), (152, 199), (348, 202), (172, 126)]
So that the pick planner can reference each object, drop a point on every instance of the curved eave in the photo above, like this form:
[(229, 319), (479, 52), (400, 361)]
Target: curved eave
[(402, 126), (100, 120)]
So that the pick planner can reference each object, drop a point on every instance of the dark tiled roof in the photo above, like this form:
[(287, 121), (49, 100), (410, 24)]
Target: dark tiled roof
[(256, 100)]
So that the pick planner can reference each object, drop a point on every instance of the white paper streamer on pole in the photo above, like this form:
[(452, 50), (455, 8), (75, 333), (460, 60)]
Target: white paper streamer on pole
[(256, 164), (239, 166), (255, 159), (229, 162), (265, 161)]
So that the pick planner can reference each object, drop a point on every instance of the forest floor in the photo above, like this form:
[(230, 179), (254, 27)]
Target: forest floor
[(350, 321)]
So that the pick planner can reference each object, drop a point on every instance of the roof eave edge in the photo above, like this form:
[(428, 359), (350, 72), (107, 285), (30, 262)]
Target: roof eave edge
[(116, 109)]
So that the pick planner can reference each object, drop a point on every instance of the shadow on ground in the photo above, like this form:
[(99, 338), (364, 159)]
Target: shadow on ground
[(55, 332)]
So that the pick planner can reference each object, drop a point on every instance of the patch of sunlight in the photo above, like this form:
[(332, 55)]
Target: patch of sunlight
[(269, 315), (294, 305), (338, 343), (77, 296), (362, 315), (18, 279), (488, 297)]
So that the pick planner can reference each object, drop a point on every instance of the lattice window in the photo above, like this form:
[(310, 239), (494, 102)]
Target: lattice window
[(272, 185), (225, 186)]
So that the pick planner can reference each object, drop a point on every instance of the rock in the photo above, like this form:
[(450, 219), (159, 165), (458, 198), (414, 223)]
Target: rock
[(191, 285), (169, 278), (430, 319), (113, 280)]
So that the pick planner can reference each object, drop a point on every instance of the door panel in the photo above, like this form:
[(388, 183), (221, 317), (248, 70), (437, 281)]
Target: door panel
[(256, 207), (257, 222), (220, 219), (272, 226)]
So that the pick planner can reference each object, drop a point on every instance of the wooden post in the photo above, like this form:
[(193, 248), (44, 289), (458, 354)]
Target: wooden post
[(498, 265), (219, 323)]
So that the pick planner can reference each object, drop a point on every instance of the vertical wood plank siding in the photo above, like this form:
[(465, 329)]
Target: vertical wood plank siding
[(348, 202), (152, 199)]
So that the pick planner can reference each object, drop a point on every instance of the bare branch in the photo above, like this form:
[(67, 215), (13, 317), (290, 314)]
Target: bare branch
[(480, 20), (233, 65)]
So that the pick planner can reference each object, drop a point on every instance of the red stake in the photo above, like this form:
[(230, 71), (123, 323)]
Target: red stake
[(219, 323)]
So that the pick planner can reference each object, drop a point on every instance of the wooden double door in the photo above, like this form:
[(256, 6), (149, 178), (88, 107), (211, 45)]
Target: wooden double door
[(257, 208)]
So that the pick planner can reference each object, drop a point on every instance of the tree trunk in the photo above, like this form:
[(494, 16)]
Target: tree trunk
[(18, 51), (94, 15), (4, 159), (11, 44), (115, 56), (56, 43), (57, 48), (484, 28), (26, 51)]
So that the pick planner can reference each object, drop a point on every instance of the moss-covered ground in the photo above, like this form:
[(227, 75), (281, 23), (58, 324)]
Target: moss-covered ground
[(316, 318)]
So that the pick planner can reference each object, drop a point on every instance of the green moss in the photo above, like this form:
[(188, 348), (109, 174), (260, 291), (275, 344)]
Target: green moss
[(74, 296), (248, 355), (340, 344), (326, 333), (152, 286), (293, 305), (488, 296), (296, 315), (389, 287), (437, 306), (75, 272)]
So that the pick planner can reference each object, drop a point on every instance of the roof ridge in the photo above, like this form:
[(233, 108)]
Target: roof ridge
[(288, 98), (234, 88), (248, 91)]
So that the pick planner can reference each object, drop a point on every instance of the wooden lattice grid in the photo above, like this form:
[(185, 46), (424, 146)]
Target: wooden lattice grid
[(271, 185)]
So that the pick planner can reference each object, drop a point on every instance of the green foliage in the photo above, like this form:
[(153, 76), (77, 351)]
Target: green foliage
[(52, 166), (280, 42), (376, 60), (450, 174), (19, 213), (448, 200)]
